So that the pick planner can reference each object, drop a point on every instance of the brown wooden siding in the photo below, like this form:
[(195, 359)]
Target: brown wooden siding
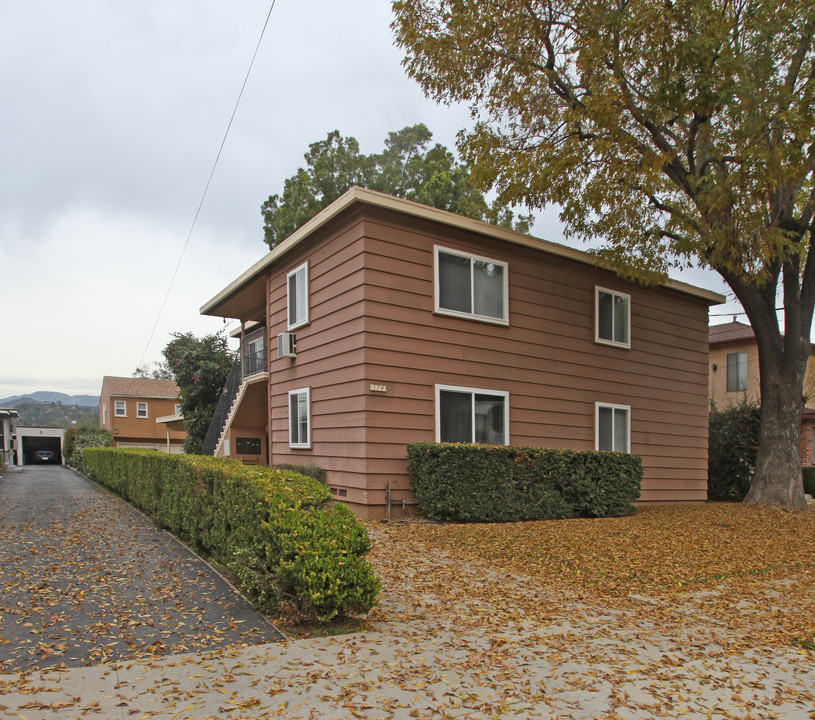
[(329, 360), (546, 358)]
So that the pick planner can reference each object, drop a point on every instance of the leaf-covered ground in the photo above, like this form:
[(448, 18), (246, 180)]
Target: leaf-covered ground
[(750, 570), (86, 579), (695, 611)]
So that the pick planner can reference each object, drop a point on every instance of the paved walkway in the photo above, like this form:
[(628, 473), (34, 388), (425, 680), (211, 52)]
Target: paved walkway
[(84, 578)]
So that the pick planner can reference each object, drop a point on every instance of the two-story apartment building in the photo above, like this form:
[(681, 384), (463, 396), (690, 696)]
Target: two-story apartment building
[(383, 322), (141, 412)]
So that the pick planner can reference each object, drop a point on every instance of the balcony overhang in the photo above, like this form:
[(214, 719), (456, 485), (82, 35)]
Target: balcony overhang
[(171, 422)]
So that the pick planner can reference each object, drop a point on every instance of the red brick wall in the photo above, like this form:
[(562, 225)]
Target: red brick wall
[(807, 429)]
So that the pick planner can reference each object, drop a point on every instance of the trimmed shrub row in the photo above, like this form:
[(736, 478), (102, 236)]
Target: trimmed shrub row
[(498, 483), (272, 529)]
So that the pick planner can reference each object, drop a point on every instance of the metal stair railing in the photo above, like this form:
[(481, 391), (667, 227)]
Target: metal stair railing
[(227, 397)]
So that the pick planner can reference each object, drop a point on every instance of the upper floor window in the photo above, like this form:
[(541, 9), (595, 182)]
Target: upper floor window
[(737, 372), (299, 420), (470, 286), (612, 427), (297, 284), (471, 415), (120, 408), (612, 317), (177, 409), (141, 409)]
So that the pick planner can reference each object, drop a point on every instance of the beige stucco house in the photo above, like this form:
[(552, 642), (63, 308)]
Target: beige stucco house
[(734, 376), (142, 412)]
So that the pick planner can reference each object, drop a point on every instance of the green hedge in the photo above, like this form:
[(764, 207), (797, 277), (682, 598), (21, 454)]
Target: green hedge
[(85, 436), (273, 529), (808, 472), (498, 483), (732, 450)]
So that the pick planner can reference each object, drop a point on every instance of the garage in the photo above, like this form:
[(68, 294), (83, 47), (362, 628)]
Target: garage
[(40, 445)]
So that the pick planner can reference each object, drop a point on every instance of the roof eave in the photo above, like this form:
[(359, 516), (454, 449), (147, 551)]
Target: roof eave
[(371, 197)]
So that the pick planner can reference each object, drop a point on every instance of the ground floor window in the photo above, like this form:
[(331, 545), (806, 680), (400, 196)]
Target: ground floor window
[(471, 415), (612, 427), (299, 425)]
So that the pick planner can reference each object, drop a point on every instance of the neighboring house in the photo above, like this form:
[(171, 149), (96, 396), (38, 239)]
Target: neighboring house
[(140, 412), (7, 436), (734, 376), (383, 322)]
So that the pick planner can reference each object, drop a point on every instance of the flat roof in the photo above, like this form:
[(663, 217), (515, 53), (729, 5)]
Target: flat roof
[(220, 305)]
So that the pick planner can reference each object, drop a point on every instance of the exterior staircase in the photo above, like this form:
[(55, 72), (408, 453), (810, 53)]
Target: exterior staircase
[(226, 404), (249, 366)]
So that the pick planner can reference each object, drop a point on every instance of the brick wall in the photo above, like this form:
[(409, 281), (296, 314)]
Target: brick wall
[(807, 430)]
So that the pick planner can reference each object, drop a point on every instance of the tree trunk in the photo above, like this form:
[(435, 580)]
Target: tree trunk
[(777, 478)]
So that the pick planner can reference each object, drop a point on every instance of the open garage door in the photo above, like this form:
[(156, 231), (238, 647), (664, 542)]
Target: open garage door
[(42, 449)]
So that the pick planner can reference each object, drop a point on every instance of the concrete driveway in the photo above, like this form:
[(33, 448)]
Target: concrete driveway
[(85, 578)]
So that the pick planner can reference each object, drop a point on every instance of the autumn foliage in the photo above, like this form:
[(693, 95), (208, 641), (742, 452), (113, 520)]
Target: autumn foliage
[(497, 483), (271, 529)]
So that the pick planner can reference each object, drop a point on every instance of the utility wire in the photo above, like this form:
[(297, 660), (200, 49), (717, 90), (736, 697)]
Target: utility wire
[(209, 182)]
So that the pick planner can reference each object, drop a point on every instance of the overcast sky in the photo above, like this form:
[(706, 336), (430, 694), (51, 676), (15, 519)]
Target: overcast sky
[(111, 116)]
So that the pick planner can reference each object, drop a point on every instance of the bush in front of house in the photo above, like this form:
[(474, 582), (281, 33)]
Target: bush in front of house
[(312, 471), (273, 530), (498, 483), (732, 449), (86, 436), (808, 472)]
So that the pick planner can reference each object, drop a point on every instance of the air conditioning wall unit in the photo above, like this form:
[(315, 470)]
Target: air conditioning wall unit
[(286, 345)]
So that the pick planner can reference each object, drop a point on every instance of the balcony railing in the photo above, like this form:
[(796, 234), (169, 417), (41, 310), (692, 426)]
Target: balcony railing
[(254, 362)]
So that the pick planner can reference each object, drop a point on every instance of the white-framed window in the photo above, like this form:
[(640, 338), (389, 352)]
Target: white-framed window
[(299, 418), (470, 286), (472, 415), (141, 409), (612, 312), (737, 372), (120, 408), (178, 408), (297, 293), (612, 427)]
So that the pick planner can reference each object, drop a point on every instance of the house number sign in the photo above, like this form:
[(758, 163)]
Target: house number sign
[(379, 388)]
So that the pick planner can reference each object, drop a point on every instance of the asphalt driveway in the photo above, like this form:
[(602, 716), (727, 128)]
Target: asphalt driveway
[(85, 578)]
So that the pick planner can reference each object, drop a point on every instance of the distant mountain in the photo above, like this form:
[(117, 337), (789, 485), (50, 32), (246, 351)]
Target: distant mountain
[(49, 414), (46, 396)]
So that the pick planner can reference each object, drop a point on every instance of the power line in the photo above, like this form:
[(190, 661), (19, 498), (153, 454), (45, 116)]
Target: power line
[(737, 312), (209, 182)]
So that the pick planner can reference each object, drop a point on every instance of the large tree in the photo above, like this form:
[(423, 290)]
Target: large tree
[(406, 168), (680, 131), (199, 367)]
